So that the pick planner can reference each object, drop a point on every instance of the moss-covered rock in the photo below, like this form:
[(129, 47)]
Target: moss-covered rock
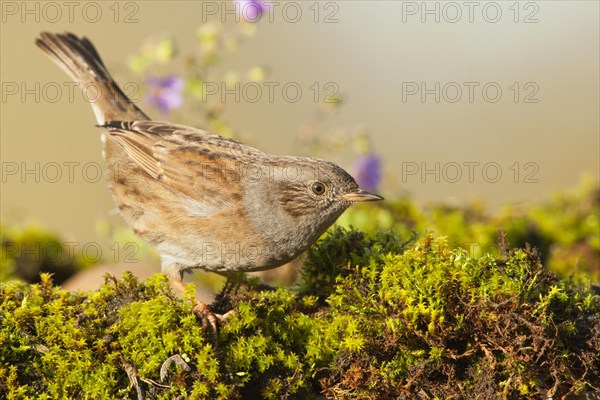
[(374, 317)]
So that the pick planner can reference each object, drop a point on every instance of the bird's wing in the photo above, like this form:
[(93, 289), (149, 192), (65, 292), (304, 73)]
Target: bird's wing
[(203, 166)]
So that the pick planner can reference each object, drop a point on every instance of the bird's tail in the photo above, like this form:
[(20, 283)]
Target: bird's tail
[(80, 60)]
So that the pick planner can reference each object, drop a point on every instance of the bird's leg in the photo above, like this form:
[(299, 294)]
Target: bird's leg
[(237, 279), (174, 273), (234, 281), (203, 311)]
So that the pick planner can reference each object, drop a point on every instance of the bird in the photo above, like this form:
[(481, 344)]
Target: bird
[(201, 200)]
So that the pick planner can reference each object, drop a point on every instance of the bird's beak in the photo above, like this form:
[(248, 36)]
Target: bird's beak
[(360, 195)]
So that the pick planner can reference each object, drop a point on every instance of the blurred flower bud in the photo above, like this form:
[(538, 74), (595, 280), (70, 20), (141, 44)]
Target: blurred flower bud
[(367, 171), (165, 93)]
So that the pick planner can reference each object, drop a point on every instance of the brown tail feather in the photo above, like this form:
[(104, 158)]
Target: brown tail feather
[(80, 60)]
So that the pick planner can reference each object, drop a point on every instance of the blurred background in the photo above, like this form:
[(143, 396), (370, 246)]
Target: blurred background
[(466, 116)]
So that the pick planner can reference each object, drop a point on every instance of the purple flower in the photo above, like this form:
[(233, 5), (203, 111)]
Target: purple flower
[(251, 10), (367, 171), (164, 93)]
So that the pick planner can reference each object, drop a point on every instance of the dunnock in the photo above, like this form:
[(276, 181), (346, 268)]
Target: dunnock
[(202, 200)]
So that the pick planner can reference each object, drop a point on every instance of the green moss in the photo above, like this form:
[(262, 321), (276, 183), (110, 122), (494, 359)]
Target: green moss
[(565, 230), (374, 317)]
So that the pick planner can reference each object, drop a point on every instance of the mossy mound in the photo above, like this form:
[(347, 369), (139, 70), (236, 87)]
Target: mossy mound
[(373, 318), (565, 229)]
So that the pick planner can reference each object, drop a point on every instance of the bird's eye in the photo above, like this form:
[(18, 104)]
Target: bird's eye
[(318, 188)]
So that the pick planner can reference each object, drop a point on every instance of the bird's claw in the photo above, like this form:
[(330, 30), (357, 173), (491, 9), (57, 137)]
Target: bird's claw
[(211, 320)]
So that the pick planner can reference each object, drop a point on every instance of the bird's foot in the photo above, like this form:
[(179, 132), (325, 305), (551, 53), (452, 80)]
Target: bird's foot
[(210, 320), (208, 317)]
